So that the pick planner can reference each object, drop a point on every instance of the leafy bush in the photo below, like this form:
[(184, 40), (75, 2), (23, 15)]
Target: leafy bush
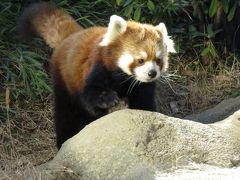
[(21, 66)]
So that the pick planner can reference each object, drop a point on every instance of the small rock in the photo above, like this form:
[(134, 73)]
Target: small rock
[(235, 161)]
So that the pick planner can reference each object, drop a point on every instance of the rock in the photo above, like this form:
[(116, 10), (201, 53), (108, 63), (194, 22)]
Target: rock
[(199, 171), (230, 125), (219, 112), (133, 144)]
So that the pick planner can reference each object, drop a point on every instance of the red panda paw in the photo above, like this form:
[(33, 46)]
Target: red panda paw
[(107, 99)]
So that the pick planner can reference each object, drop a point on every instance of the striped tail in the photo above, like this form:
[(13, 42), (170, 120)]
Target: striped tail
[(50, 23)]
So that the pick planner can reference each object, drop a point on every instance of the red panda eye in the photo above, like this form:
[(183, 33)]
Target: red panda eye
[(158, 61), (140, 61)]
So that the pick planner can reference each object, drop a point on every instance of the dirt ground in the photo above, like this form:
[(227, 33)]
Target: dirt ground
[(27, 138), (27, 135)]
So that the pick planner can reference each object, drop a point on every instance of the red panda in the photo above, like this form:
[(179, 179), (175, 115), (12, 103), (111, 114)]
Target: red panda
[(92, 68)]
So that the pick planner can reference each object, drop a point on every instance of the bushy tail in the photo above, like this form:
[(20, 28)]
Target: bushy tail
[(49, 22)]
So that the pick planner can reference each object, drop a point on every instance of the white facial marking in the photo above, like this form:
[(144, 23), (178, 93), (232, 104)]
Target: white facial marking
[(143, 54), (124, 61), (158, 53), (141, 72), (170, 45), (116, 27), (166, 39)]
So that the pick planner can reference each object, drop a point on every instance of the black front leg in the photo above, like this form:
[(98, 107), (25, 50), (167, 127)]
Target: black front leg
[(97, 96), (96, 100), (143, 97)]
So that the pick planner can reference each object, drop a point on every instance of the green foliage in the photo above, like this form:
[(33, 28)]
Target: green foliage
[(229, 11), (22, 77), (20, 66), (88, 13), (193, 25), (151, 11), (205, 41), (211, 17)]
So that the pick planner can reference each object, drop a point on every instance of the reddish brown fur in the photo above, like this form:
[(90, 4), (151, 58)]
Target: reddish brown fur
[(77, 50), (75, 63), (77, 55), (49, 22), (56, 27), (85, 85)]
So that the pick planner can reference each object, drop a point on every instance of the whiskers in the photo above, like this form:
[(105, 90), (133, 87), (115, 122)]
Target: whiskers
[(133, 83), (128, 79), (168, 78)]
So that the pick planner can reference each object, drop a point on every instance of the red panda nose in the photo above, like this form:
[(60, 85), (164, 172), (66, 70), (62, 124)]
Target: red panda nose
[(152, 73)]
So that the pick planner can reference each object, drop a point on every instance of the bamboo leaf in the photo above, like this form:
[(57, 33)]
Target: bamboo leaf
[(225, 6), (137, 13), (205, 51), (128, 10), (213, 52), (118, 2), (150, 5), (209, 28), (232, 12), (127, 3), (213, 8)]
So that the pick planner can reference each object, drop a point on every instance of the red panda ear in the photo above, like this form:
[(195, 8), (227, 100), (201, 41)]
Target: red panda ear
[(162, 28), (116, 27), (166, 39)]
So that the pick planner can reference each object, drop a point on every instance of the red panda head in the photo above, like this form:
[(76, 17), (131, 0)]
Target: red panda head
[(142, 49)]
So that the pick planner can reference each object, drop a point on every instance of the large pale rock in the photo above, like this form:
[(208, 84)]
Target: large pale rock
[(131, 144)]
